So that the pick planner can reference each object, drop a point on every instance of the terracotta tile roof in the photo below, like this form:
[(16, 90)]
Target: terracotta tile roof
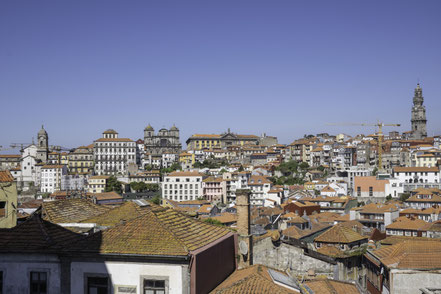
[(158, 231), (212, 179), (6, 177), (434, 198), (206, 208), (192, 202), (296, 233), (258, 180), (376, 208), (128, 211), (10, 156), (114, 140), (51, 166), (107, 196), (328, 189), (205, 136), (325, 217), (226, 217), (339, 234), (331, 251), (405, 223), (331, 287), (251, 280), (392, 240), (185, 174), (411, 255), (416, 169), (35, 235), (71, 210), (297, 220)]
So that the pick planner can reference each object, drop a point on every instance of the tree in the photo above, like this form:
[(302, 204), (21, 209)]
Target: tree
[(112, 184), (222, 171), (240, 168), (156, 200), (152, 187), (404, 197), (375, 171), (304, 165), (388, 197), (148, 167)]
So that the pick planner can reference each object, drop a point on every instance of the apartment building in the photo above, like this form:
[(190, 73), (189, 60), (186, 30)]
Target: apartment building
[(113, 155), (51, 177), (182, 186)]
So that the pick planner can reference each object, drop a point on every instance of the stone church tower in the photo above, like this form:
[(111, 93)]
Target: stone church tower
[(418, 120), (42, 145)]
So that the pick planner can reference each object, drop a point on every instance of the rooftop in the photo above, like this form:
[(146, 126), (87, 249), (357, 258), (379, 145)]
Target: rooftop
[(158, 231)]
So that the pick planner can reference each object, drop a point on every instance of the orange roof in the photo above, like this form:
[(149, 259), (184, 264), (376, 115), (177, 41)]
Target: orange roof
[(205, 136), (339, 234), (49, 166), (411, 255), (255, 279), (5, 176), (327, 286), (226, 217), (107, 196), (405, 223), (416, 169), (185, 174), (114, 140), (10, 156)]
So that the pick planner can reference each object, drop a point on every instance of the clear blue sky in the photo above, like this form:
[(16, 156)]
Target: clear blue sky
[(285, 68)]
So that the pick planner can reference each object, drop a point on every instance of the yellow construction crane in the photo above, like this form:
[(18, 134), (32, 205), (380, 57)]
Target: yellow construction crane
[(380, 126)]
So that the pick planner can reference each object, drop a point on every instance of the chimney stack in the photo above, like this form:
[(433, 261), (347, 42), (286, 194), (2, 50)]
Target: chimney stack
[(243, 228)]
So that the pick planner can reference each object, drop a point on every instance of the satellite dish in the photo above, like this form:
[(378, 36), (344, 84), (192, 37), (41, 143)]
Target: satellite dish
[(243, 247)]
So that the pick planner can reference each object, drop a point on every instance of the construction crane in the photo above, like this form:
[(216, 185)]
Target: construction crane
[(380, 126)]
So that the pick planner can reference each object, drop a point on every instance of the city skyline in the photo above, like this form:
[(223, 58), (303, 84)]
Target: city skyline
[(285, 70)]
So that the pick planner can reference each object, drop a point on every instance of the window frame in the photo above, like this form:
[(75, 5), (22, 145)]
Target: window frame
[(39, 271), (86, 276), (166, 280)]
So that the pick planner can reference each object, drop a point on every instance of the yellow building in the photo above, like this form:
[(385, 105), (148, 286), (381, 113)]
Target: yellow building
[(97, 184), (186, 158), (81, 160), (426, 160), (209, 141), (8, 200), (310, 186)]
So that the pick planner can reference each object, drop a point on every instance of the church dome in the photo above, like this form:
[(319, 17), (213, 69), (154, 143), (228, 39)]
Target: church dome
[(110, 131), (148, 128), (42, 132), (174, 128)]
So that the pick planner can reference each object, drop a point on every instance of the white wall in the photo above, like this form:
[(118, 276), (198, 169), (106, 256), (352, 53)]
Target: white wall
[(128, 274), (16, 275), (409, 282)]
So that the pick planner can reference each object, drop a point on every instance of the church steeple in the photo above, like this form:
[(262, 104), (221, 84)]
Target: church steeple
[(418, 96), (418, 120)]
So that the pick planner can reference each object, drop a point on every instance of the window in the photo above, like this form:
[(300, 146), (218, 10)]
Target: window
[(38, 283), (154, 287), (358, 191), (2, 209), (371, 191), (97, 285), (1, 282)]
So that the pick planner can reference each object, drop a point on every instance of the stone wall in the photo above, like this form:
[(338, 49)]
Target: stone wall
[(287, 257)]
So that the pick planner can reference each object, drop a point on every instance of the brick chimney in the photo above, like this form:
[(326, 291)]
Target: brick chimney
[(244, 228)]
